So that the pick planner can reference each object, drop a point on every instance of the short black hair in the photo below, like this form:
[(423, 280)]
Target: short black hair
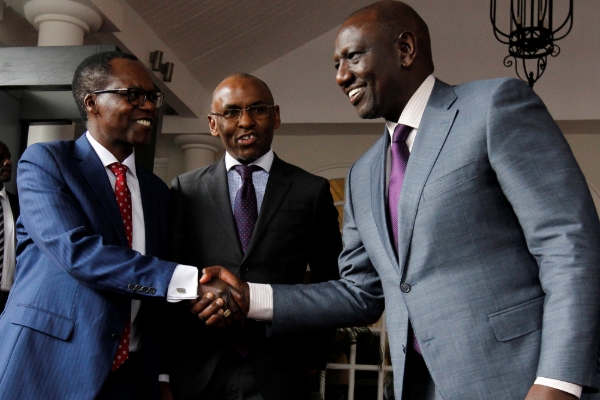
[(92, 74)]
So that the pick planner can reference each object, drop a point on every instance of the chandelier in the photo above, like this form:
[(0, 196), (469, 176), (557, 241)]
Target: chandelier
[(532, 36)]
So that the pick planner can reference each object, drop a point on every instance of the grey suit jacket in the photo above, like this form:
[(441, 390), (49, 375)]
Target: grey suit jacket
[(499, 249)]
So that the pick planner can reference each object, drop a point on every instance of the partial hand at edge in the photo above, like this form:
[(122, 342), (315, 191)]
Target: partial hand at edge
[(241, 294), (541, 392)]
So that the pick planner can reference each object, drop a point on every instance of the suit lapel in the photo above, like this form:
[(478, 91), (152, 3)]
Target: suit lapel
[(278, 185), (93, 171), (378, 203), (432, 133), (216, 185)]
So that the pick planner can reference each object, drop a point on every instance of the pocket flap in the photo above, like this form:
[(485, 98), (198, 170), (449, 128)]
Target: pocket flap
[(518, 320), (43, 321)]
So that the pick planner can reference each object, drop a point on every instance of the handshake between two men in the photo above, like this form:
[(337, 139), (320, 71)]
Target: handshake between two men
[(222, 297)]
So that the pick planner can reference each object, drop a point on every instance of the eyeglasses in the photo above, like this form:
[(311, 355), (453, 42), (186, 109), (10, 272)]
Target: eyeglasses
[(234, 114), (136, 96)]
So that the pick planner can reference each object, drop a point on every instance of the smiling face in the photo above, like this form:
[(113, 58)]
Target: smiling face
[(249, 138), (369, 63), (5, 164), (112, 120)]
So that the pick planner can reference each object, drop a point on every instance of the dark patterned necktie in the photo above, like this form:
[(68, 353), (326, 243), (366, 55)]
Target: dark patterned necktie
[(245, 210), (123, 196)]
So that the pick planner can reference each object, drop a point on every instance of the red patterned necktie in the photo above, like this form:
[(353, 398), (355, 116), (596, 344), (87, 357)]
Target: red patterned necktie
[(124, 202)]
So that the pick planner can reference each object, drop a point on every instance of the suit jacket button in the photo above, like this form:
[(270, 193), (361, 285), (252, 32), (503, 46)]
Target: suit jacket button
[(246, 269), (145, 289), (152, 290), (138, 288), (115, 337), (131, 287), (405, 287)]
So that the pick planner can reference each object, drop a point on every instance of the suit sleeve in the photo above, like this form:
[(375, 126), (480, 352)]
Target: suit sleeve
[(356, 299), (549, 195), (57, 224)]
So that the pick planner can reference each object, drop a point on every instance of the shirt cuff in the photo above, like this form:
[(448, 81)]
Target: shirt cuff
[(183, 285), (571, 388), (261, 302), (164, 378)]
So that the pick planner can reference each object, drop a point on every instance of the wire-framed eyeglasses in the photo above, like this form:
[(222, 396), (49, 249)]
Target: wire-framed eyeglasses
[(234, 114), (137, 96)]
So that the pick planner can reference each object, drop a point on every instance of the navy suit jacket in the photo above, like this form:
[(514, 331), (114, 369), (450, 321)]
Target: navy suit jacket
[(498, 265), (76, 275)]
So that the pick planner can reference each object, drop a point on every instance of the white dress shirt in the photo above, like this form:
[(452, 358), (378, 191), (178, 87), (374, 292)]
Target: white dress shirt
[(8, 267), (187, 274), (262, 308)]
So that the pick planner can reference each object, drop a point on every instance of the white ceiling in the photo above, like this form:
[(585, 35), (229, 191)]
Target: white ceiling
[(289, 44)]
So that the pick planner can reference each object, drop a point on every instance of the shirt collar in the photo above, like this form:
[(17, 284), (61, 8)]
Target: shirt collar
[(413, 112), (107, 158), (3, 192), (265, 162)]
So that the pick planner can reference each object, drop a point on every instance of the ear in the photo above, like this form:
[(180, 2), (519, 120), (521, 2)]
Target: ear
[(212, 124), (406, 43), (89, 101), (276, 117)]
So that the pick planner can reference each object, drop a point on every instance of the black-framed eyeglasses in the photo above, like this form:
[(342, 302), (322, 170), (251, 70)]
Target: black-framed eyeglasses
[(234, 114), (137, 96)]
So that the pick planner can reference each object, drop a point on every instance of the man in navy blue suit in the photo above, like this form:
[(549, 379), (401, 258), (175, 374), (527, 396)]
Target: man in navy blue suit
[(74, 326)]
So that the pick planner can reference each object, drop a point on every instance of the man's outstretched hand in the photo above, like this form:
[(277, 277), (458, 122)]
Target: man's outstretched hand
[(232, 297)]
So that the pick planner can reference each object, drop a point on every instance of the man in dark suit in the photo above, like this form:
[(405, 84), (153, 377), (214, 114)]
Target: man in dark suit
[(9, 212), (471, 216), (73, 327), (264, 220)]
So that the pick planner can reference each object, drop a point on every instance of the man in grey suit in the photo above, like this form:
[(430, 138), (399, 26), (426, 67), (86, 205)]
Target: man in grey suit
[(484, 245)]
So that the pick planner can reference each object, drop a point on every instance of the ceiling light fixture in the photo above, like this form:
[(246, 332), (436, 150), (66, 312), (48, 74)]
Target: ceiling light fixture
[(532, 35)]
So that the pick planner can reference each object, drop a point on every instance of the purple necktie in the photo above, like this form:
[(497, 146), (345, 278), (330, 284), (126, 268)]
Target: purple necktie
[(400, 155), (245, 210)]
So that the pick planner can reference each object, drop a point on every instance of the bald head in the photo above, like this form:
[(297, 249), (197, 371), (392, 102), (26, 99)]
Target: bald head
[(235, 79)]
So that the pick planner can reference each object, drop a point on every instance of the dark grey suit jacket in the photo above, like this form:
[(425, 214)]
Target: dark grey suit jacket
[(297, 226)]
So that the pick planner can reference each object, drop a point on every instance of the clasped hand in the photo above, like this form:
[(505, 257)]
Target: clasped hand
[(222, 297)]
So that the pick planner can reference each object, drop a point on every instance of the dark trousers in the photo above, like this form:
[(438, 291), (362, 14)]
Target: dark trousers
[(232, 379), (418, 384), (129, 381)]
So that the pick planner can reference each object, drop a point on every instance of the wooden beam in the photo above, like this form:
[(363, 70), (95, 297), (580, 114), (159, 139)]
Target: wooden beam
[(43, 68)]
